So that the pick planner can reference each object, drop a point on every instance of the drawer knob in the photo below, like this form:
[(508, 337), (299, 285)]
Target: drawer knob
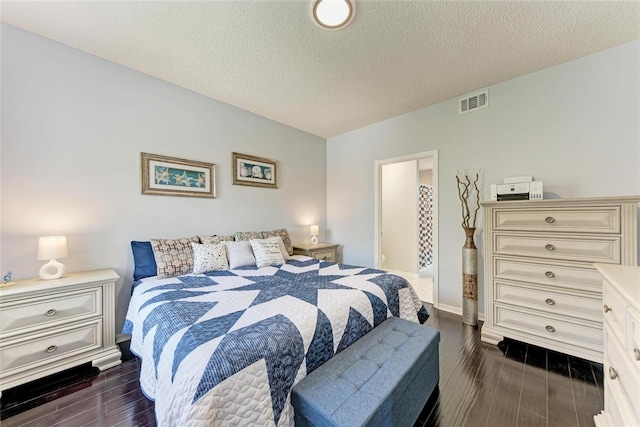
[(550, 219), (550, 274), (550, 328), (550, 247), (550, 302), (613, 374), (51, 312), (606, 308), (51, 349), (636, 353)]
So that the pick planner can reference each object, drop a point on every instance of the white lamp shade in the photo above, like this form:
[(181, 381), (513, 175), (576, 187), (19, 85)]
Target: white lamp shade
[(315, 230), (52, 247)]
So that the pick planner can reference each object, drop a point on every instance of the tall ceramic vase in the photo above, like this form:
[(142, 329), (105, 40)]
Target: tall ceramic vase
[(469, 279)]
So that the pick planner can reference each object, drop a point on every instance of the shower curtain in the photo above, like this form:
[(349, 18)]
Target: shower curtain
[(425, 226)]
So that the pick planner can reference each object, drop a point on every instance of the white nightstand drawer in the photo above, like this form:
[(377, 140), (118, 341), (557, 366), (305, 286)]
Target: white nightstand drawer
[(591, 220), (49, 346), (328, 255), (322, 251), (586, 249), (554, 328), (548, 300), (578, 277), (53, 309)]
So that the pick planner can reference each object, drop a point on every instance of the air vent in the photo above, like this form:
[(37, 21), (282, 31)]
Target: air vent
[(474, 102)]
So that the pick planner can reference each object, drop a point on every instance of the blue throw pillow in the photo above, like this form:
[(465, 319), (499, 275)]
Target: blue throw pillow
[(143, 260)]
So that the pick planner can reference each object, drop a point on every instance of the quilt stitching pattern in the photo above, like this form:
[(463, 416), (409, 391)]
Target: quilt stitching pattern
[(201, 335)]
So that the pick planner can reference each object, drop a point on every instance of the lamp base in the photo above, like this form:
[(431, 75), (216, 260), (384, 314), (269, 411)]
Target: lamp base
[(314, 240), (52, 270)]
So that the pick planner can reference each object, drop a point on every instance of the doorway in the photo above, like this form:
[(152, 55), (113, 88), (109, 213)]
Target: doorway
[(406, 231)]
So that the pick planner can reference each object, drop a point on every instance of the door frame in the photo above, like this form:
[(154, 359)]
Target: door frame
[(377, 246)]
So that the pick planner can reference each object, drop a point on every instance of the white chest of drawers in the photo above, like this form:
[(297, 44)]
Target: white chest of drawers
[(47, 326), (621, 306), (540, 284)]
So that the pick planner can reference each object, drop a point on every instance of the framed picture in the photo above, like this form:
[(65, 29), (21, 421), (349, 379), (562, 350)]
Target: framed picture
[(170, 176), (254, 171)]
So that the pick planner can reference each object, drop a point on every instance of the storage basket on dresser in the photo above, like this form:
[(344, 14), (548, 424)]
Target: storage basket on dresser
[(540, 285)]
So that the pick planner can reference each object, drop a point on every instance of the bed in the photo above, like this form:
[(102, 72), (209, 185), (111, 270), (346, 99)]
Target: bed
[(226, 347)]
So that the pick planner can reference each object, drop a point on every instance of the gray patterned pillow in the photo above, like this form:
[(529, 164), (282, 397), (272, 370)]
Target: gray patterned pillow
[(283, 249), (209, 257), (267, 251), (215, 239), (248, 235), (173, 256), (285, 238)]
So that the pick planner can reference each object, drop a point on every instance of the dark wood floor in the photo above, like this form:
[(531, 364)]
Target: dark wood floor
[(513, 384)]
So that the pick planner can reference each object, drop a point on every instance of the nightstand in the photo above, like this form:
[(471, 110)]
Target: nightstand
[(47, 326), (321, 251)]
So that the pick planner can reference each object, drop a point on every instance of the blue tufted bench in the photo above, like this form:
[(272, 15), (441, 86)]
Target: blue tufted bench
[(383, 379)]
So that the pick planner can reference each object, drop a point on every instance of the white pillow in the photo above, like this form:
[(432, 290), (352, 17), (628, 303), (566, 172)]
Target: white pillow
[(240, 254), (267, 251), (209, 257)]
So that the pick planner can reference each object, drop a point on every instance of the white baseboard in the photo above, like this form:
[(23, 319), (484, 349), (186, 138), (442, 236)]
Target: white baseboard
[(456, 310)]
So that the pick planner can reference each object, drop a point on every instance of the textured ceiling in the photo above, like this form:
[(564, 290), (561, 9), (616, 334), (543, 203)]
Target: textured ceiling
[(269, 58)]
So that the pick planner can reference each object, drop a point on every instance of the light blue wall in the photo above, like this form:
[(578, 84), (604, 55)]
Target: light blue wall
[(575, 126), (73, 127)]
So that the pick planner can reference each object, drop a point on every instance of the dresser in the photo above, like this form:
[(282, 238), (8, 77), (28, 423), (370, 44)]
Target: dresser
[(621, 307), (47, 326), (321, 251), (540, 283)]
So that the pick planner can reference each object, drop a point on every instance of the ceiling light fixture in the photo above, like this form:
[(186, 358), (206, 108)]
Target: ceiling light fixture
[(333, 14)]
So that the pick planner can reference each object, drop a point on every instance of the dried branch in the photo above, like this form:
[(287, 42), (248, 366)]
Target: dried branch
[(475, 184), (464, 190)]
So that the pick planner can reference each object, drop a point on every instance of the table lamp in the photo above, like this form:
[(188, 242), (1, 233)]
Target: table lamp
[(51, 248), (315, 230)]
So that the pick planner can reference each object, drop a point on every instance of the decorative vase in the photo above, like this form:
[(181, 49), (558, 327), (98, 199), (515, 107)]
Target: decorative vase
[(469, 279)]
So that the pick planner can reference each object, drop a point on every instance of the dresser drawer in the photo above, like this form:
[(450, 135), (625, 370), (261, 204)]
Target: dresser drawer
[(328, 255), (621, 378), (554, 328), (634, 345), (43, 348), (614, 311), (50, 310), (548, 300), (614, 415), (548, 273), (586, 220), (586, 249)]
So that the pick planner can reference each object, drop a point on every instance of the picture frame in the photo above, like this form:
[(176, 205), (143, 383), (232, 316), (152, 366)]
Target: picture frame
[(171, 176), (254, 171)]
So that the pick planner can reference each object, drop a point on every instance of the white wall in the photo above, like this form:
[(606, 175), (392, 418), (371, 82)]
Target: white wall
[(400, 216), (575, 126), (426, 177), (73, 127)]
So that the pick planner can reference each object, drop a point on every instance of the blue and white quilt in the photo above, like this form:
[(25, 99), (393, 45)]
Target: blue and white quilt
[(225, 348)]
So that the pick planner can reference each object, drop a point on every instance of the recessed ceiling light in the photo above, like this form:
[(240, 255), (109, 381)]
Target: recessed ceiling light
[(333, 14)]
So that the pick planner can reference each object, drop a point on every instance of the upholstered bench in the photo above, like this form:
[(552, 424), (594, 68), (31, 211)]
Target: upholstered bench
[(383, 379)]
